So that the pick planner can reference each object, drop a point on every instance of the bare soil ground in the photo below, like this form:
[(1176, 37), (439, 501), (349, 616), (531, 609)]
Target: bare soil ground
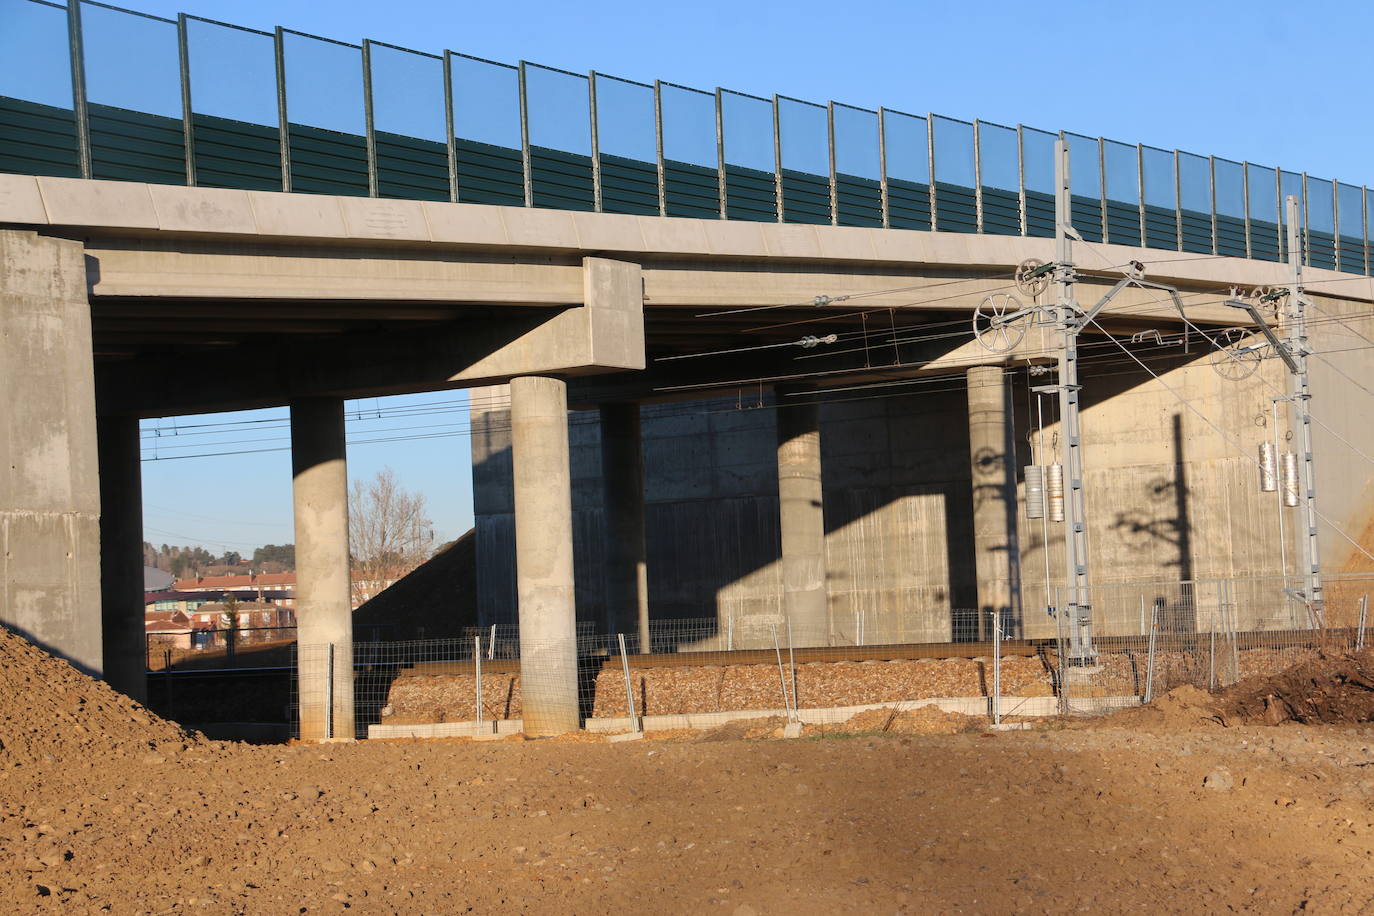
[(104, 808)]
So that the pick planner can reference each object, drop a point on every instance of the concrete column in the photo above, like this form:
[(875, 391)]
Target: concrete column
[(324, 611), (121, 556), (49, 485), (544, 555), (622, 474), (801, 520), (994, 500)]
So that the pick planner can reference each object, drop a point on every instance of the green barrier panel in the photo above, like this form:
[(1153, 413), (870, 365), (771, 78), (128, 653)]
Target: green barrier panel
[(561, 181), (37, 139), (628, 186), (1321, 249), (409, 168), (134, 146), (805, 198), (908, 204), (1161, 227), (1001, 212), (1230, 236), (1085, 214), (235, 154), (1264, 240), (691, 190), (750, 194), (1352, 254), (1039, 214), (956, 209), (1123, 223), (327, 162), (490, 174), (859, 201), (1197, 232)]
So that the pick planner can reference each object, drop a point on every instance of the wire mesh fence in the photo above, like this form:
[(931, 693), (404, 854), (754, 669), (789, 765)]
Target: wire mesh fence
[(1148, 638)]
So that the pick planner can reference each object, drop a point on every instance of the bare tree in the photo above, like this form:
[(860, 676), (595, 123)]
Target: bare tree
[(388, 533)]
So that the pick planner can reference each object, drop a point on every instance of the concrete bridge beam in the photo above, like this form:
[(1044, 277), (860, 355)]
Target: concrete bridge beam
[(544, 555), (324, 609)]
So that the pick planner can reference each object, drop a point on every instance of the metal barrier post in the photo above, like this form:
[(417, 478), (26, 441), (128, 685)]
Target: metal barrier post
[(1150, 655), (1359, 634), (996, 667), (782, 677), (329, 695), (1212, 663), (477, 661), (635, 725)]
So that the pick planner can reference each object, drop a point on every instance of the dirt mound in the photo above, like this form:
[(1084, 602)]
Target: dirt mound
[(1182, 707), (1332, 687), (923, 720), (52, 714)]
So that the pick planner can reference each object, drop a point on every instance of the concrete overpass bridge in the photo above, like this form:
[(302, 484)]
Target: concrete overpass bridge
[(174, 247)]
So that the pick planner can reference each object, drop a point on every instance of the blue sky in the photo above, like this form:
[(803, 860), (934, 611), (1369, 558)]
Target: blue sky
[(1278, 84)]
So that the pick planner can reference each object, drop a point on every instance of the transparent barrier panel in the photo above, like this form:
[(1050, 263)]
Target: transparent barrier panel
[(956, 207), (999, 179), (1290, 185), (1321, 223), (1085, 185), (1195, 204), (906, 139), (691, 162), (750, 177), (408, 131), (858, 167), (803, 140), (560, 126), (1121, 171), (1368, 245), (627, 150), (486, 131), (1261, 189), (1160, 187), (235, 126), (324, 112), (1228, 188), (133, 94), (37, 124), (1350, 228), (1037, 169)]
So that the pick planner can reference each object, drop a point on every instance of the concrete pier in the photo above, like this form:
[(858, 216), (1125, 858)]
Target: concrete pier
[(49, 488), (994, 499), (801, 519), (121, 556), (324, 613), (544, 554), (622, 475)]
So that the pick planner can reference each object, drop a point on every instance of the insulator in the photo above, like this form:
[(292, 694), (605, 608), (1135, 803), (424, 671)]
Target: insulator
[(1268, 468), (1290, 479), (1054, 491), (1035, 491)]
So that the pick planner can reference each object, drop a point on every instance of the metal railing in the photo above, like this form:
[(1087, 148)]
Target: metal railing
[(95, 91)]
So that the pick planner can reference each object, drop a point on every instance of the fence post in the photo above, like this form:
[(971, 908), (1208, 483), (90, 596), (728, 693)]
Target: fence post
[(782, 677), (477, 660), (792, 663), (1212, 663), (491, 644), (1150, 655), (229, 640), (730, 633), (996, 668), (1359, 634), (635, 725), (329, 694)]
